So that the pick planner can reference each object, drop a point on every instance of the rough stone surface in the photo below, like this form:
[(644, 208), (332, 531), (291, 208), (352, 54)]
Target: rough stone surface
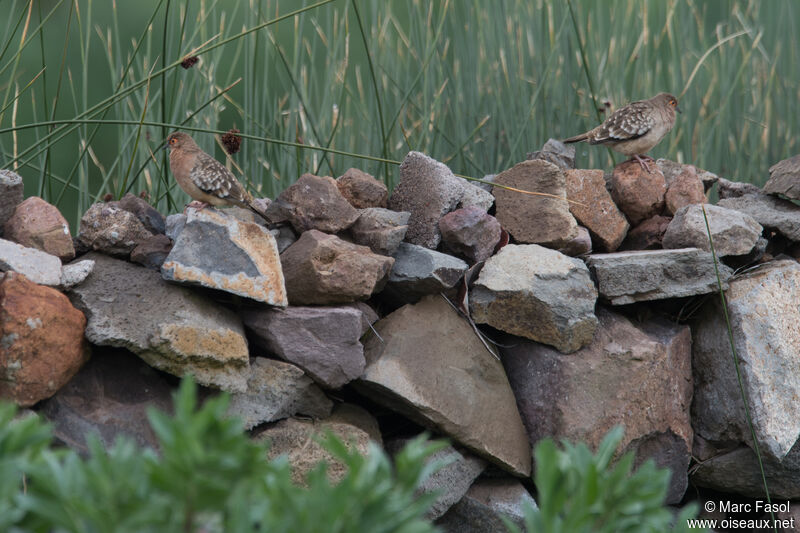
[(277, 390), (38, 224), (428, 190), (451, 481), (298, 439), (174, 225), (109, 397), (151, 219), (362, 190), (639, 276), (784, 178), (112, 230), (39, 267), (733, 232), (173, 328), (638, 193), (474, 196), (313, 202), (152, 252), (284, 237), (765, 318), (470, 232), (381, 229), (684, 189), (41, 340), (218, 251), (735, 189), (432, 367), (648, 235), (594, 208), (554, 151), (323, 341), (638, 375), (671, 170), (488, 499), (323, 269), (580, 245), (769, 211), (536, 293), (11, 194), (554, 225), (418, 271), (75, 273)]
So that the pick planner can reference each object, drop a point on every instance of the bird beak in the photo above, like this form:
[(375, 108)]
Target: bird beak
[(678, 109), (166, 145)]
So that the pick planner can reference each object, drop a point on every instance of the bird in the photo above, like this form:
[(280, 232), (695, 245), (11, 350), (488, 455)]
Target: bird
[(205, 179), (636, 128)]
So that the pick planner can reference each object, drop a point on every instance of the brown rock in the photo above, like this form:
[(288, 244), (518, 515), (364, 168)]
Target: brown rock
[(313, 202), (362, 190), (112, 230), (648, 235), (638, 375), (638, 193), (147, 215), (152, 252), (594, 208), (784, 178), (38, 224), (684, 189), (41, 337), (322, 269), (11, 194), (735, 189), (580, 245), (470, 232), (535, 219)]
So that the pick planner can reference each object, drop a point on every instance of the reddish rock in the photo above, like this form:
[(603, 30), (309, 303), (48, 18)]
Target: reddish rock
[(684, 189), (592, 206), (152, 252), (362, 190), (534, 219), (648, 235), (470, 232), (41, 340), (638, 193), (321, 269), (38, 224), (313, 202)]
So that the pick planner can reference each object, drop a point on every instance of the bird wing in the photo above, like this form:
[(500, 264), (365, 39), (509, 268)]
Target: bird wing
[(627, 123), (214, 179)]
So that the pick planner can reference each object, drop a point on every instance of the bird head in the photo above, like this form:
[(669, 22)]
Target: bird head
[(669, 101), (179, 140)]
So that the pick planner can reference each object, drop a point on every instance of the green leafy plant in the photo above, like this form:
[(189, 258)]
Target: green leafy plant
[(207, 475), (583, 492)]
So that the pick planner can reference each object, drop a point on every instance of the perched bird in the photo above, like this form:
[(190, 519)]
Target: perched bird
[(204, 178), (636, 128)]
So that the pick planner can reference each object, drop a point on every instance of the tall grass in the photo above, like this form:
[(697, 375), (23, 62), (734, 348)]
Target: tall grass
[(474, 84)]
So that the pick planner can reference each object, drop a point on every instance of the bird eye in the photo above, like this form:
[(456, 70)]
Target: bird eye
[(172, 141), (673, 103)]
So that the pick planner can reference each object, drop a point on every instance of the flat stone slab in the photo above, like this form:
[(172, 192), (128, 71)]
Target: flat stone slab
[(173, 328), (36, 265), (418, 271), (643, 275), (221, 252), (784, 178), (733, 232), (769, 211)]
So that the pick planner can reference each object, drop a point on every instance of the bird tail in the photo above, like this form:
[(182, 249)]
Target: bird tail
[(259, 213), (577, 138)]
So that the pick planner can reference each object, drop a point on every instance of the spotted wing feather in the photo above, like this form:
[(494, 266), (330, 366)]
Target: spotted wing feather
[(630, 122), (213, 178)]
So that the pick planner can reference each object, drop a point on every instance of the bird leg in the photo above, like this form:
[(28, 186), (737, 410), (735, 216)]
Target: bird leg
[(195, 204), (643, 162)]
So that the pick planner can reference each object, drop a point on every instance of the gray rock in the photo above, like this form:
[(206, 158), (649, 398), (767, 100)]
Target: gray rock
[(733, 232), (322, 269), (39, 267), (381, 229), (313, 202), (75, 273), (218, 251), (784, 178), (418, 271), (638, 375), (765, 319), (284, 237), (451, 481), (172, 328), (323, 341), (112, 230), (640, 276), (536, 293), (556, 152), (470, 232), (174, 225), (580, 245), (152, 252), (554, 224), (769, 211), (735, 189), (277, 390), (488, 499), (11, 194), (151, 219), (487, 182), (109, 397), (474, 196), (432, 367)]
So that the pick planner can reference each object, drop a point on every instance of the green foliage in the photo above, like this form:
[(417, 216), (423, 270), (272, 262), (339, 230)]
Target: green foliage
[(581, 492), (207, 476)]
